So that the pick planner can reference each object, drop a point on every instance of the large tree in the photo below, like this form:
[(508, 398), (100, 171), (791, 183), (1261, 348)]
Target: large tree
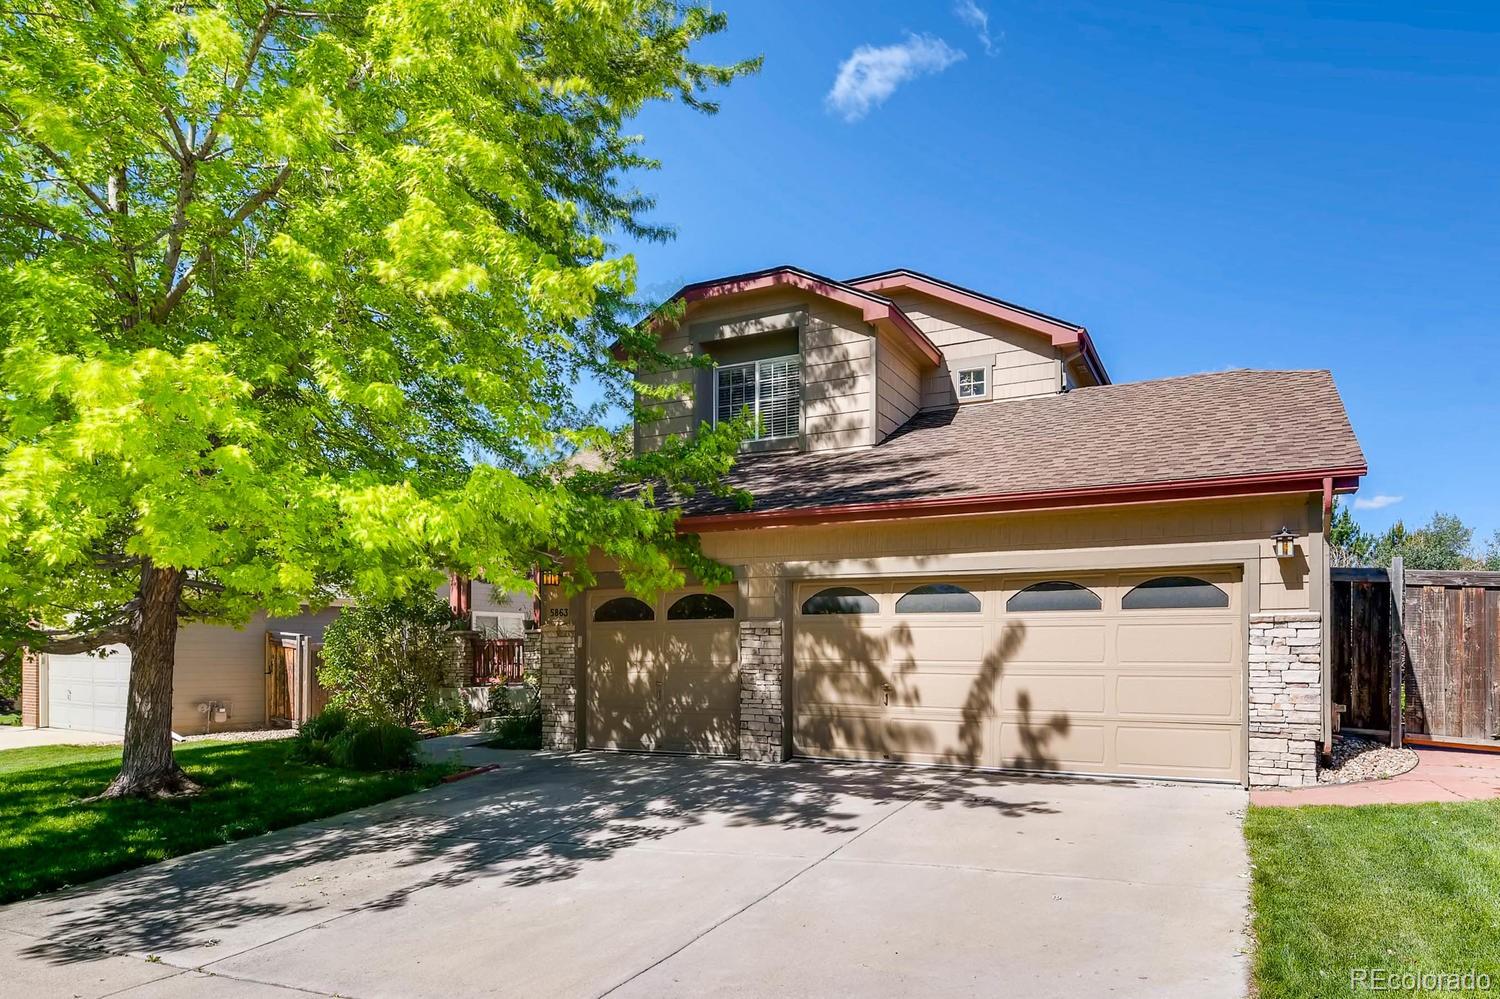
[(294, 298)]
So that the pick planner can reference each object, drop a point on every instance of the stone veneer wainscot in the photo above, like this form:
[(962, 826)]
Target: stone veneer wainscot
[(1286, 697)]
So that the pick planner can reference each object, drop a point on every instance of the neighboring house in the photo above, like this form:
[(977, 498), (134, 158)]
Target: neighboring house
[(219, 681), (969, 547)]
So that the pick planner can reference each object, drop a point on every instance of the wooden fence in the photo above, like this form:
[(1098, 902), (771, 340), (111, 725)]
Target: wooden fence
[(1436, 633)]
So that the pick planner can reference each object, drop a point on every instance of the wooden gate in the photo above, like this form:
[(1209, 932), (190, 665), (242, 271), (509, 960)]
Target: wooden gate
[(1359, 647), (281, 680), (293, 693), (1452, 630)]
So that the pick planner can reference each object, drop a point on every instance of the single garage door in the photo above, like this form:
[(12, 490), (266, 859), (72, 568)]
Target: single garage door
[(88, 693), (1121, 673), (662, 675)]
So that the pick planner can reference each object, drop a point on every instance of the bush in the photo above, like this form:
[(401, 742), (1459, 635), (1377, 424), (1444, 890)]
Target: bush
[(446, 715), (519, 727), (383, 661), (336, 738), (374, 745)]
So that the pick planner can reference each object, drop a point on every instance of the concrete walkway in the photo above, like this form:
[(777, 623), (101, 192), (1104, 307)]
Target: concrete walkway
[(1440, 775), (21, 737), (597, 874)]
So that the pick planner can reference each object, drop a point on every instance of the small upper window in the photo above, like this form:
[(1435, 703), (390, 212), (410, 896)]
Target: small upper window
[(971, 383), (624, 609), (770, 391), (840, 600), (1053, 595), (937, 598), (1174, 592), (700, 607)]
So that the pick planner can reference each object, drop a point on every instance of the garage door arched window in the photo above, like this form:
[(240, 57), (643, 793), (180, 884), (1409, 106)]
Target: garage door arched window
[(623, 609), (840, 600), (937, 598), (701, 607), (1053, 595), (1174, 593)]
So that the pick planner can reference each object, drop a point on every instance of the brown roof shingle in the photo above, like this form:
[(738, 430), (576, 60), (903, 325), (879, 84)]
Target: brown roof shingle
[(1175, 430)]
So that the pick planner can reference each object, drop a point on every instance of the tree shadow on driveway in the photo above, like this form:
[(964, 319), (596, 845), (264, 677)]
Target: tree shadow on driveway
[(542, 820)]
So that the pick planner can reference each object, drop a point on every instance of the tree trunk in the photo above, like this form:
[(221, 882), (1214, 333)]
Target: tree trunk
[(147, 768)]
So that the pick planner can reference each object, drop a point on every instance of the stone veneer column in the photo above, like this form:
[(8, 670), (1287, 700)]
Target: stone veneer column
[(1286, 697), (557, 684), (458, 668), (762, 736)]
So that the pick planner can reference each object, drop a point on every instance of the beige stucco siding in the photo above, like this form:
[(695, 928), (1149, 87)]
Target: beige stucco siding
[(1104, 538), (900, 381), (220, 663), (838, 367), (1020, 363)]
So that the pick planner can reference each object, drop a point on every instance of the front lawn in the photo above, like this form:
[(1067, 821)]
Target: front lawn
[(49, 838), (1400, 888)]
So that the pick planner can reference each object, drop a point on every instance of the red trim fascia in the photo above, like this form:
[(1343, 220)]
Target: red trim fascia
[(872, 310), (1229, 486)]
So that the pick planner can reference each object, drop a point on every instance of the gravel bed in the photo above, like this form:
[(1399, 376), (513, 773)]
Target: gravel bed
[(1357, 758), (255, 735)]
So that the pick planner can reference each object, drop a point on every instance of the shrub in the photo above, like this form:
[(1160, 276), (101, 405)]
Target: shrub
[(446, 715), (520, 727), (316, 734), (383, 661), (374, 745)]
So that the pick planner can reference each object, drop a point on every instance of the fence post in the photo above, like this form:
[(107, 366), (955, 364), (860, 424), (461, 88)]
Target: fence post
[(1397, 576)]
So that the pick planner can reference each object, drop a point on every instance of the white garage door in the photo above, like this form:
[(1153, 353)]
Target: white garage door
[(1119, 673), (88, 693)]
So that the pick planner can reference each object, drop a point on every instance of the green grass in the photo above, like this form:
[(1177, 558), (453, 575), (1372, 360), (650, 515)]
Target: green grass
[(1406, 888), (50, 838), (10, 719)]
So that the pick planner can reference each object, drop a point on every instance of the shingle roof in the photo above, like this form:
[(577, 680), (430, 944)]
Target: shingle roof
[(1175, 430)]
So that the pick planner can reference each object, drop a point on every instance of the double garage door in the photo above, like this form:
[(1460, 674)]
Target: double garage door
[(1114, 673)]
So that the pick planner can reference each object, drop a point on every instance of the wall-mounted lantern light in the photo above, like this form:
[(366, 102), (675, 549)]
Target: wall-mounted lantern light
[(549, 577), (1284, 543)]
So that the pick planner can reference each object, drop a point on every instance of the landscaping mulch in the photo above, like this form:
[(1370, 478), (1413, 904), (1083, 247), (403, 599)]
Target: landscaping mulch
[(1359, 758)]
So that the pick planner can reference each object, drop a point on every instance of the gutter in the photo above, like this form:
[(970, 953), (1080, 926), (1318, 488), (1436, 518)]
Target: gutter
[(1339, 480)]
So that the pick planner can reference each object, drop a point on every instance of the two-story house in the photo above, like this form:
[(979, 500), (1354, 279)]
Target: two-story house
[(969, 547)]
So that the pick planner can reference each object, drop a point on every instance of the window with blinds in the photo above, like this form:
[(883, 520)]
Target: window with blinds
[(771, 390)]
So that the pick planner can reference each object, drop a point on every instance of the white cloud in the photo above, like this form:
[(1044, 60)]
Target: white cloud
[(977, 18), (1377, 502), (872, 74)]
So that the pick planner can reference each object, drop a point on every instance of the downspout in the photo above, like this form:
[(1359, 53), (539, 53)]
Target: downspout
[(1325, 629)]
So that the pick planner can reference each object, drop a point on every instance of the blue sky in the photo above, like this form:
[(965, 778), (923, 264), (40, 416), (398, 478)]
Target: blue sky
[(1203, 186)]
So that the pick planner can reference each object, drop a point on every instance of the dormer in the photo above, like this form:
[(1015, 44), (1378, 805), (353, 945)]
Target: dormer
[(830, 365)]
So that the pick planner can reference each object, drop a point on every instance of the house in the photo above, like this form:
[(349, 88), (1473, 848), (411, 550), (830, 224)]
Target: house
[(223, 678), (969, 547)]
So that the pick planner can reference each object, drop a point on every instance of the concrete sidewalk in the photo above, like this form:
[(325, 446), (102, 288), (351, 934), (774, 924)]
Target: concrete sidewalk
[(1440, 775), (602, 874)]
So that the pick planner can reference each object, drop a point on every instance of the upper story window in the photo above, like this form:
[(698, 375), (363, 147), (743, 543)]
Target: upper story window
[(771, 390), (971, 383)]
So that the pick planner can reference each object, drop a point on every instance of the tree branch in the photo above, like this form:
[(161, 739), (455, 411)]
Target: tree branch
[(162, 309), (66, 643), (58, 161), (267, 18)]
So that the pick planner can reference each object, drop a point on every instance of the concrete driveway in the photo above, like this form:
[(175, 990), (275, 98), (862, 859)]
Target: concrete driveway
[(631, 876), (21, 737)]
